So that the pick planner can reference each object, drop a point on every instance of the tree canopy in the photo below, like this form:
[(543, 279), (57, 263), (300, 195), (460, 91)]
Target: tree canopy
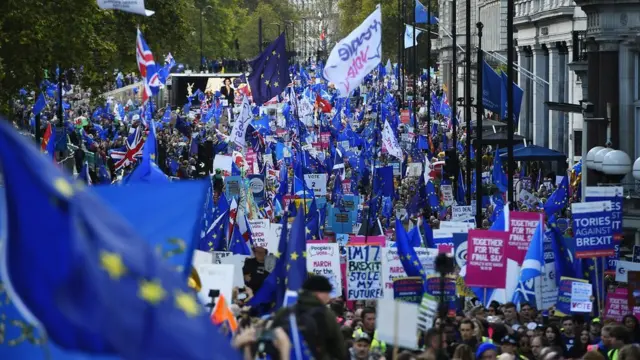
[(39, 35)]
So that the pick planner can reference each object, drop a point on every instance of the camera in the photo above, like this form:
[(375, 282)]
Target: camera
[(265, 345)]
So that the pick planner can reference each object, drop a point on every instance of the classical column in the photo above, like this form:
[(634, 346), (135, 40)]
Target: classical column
[(627, 98), (555, 130), (609, 75), (540, 95), (523, 62)]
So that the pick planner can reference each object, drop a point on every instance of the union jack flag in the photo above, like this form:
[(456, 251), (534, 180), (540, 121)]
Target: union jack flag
[(133, 149), (147, 67)]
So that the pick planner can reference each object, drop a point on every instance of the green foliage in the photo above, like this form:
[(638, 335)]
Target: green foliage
[(353, 12)]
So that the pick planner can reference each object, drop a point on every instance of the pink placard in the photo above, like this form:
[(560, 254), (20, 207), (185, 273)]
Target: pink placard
[(617, 305), (522, 225), (486, 260), (346, 187), (367, 240)]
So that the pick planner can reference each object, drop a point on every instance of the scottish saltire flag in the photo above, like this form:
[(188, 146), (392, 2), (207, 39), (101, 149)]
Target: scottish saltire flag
[(100, 288), (534, 259), (147, 67)]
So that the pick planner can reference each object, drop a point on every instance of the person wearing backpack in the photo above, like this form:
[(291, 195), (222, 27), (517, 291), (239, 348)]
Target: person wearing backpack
[(316, 321)]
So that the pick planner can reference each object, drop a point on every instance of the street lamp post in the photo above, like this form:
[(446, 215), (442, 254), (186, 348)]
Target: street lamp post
[(202, 65), (479, 114), (467, 96)]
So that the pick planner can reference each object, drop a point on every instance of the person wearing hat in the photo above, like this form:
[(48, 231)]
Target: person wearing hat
[(510, 346), (316, 321), (487, 351), (361, 349)]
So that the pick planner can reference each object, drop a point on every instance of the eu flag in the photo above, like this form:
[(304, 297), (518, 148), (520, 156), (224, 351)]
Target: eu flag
[(88, 278), (408, 257), (270, 72), (296, 256), (558, 200)]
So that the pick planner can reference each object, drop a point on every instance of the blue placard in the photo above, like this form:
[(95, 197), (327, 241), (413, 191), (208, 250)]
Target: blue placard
[(232, 186), (593, 230), (563, 305), (341, 221), (613, 194), (408, 289), (450, 296), (257, 186), (460, 249)]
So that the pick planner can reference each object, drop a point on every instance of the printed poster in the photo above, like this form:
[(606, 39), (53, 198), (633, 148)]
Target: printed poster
[(324, 260), (363, 272), (486, 260)]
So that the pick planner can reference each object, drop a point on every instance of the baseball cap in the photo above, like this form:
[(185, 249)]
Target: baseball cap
[(361, 336)]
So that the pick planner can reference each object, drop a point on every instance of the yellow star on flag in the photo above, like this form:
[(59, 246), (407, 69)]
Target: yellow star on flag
[(276, 84), (187, 303), (266, 82), (307, 230), (151, 291), (273, 52), (304, 254), (277, 254), (112, 264), (63, 187), (294, 256)]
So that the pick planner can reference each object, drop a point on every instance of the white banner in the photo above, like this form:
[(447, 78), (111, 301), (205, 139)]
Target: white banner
[(356, 55), (240, 127), (392, 266), (389, 141), (260, 230), (131, 6)]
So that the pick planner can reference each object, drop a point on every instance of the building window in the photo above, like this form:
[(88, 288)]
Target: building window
[(577, 142)]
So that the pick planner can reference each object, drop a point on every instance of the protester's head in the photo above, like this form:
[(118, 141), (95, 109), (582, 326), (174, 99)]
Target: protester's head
[(260, 253), (551, 353), (319, 286), (467, 328), (369, 319), (432, 339), (227, 81), (537, 344), (593, 355), (553, 334), (487, 351), (619, 336), (361, 345), (510, 313), (584, 336), (567, 326), (463, 352), (509, 345), (525, 311), (596, 327), (631, 323), (629, 352), (524, 343)]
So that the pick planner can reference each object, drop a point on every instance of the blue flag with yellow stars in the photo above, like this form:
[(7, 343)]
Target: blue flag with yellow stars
[(408, 257), (93, 284), (558, 200), (296, 256), (383, 181), (270, 72)]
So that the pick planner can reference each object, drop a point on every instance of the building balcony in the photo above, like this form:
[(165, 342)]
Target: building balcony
[(528, 10)]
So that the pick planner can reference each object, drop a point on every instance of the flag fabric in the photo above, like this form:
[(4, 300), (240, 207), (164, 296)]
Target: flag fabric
[(367, 53), (270, 72), (296, 256), (423, 16), (239, 131), (99, 287), (147, 67), (222, 316), (558, 200), (534, 259), (390, 143), (40, 104), (408, 257), (133, 149), (84, 174), (498, 176), (409, 33)]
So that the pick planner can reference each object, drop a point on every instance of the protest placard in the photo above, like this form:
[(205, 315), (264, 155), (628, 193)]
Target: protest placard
[(317, 183), (408, 289), (617, 305), (613, 194), (219, 255), (450, 292), (457, 226), (522, 226), (447, 195), (427, 312), (486, 260), (623, 268), (397, 323), (257, 186), (593, 229), (392, 266), (260, 232), (232, 186), (462, 213), (581, 297), (324, 260), (363, 272)]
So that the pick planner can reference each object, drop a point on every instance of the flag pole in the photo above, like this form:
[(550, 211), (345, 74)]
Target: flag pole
[(376, 148), (304, 184)]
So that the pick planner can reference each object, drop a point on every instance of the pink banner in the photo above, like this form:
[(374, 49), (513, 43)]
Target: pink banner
[(617, 305), (522, 225), (370, 240), (486, 260)]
